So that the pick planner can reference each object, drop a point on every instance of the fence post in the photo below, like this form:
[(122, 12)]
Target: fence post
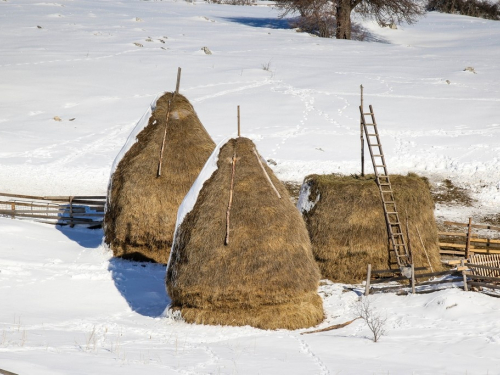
[(13, 208), (368, 277), (467, 244), (71, 224), (413, 278), (464, 275)]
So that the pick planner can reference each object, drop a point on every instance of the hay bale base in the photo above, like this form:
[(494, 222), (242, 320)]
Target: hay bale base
[(347, 227), (308, 311)]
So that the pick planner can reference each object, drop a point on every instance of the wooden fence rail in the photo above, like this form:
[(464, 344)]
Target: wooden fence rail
[(373, 278), (481, 271), (58, 210), (465, 244)]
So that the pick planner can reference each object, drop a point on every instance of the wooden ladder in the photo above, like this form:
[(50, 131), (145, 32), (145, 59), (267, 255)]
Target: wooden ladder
[(398, 251)]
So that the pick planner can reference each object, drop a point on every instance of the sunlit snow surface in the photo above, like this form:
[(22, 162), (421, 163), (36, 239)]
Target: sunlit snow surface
[(67, 308)]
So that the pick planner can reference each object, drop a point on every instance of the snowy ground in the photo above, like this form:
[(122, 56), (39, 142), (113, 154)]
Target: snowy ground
[(67, 308)]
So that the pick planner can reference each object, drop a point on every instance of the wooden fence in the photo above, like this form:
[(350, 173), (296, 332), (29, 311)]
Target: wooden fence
[(388, 276), (479, 272), (61, 210), (466, 242)]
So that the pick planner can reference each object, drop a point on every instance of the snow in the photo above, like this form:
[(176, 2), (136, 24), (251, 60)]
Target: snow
[(304, 204), (67, 307), (192, 196)]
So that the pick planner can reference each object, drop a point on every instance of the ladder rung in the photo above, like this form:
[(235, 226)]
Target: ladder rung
[(368, 113), (372, 135), (380, 166), (374, 144), (378, 156)]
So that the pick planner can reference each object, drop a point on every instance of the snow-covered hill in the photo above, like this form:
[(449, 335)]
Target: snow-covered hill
[(67, 307)]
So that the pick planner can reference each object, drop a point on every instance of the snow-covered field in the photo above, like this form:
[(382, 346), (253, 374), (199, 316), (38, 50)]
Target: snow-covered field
[(67, 307)]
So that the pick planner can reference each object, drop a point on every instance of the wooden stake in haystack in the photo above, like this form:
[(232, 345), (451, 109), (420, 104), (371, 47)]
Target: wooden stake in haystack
[(231, 191), (362, 137), (167, 118)]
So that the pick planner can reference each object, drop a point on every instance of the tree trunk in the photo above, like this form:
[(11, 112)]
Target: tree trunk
[(343, 19)]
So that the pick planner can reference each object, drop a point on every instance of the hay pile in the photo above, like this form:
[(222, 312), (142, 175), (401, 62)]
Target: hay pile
[(265, 276), (347, 225), (142, 208)]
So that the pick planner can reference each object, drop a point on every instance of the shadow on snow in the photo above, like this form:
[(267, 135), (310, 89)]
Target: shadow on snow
[(87, 238), (271, 23), (142, 284)]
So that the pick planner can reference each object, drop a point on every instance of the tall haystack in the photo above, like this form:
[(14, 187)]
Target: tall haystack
[(142, 206), (241, 254), (345, 219)]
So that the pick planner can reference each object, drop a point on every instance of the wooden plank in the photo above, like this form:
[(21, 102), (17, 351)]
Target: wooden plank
[(55, 212), (28, 215), (76, 197), (454, 245), (91, 224), (485, 240), (432, 274), (451, 252), (368, 277), (457, 234), (5, 372), (58, 198), (484, 285), (470, 265), (388, 280), (446, 281), (377, 272), (479, 277), (479, 226)]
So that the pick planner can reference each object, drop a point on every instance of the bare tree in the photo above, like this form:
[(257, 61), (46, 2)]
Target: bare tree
[(376, 323), (385, 12)]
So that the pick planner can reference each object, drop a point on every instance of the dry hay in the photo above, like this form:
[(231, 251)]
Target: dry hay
[(142, 208), (347, 225), (266, 276)]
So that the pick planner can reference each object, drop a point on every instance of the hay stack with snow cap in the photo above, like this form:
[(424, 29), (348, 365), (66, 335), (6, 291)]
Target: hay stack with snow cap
[(241, 253), (142, 205), (345, 219)]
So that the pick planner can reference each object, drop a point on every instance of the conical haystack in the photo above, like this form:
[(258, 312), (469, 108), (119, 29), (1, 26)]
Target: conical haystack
[(265, 276), (142, 206), (345, 219)]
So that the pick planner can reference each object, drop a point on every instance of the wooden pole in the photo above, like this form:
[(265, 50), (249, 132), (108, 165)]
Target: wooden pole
[(266, 175), (239, 127), (178, 81), (226, 241), (164, 138), (368, 278), (71, 212), (335, 326), (464, 275), (361, 137), (423, 247), (467, 245), (413, 278)]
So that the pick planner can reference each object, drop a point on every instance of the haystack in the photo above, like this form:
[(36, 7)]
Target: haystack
[(260, 272), (345, 219), (142, 206)]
